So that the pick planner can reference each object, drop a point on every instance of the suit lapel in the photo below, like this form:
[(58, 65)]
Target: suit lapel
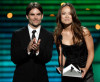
[(42, 37), (41, 33), (26, 36)]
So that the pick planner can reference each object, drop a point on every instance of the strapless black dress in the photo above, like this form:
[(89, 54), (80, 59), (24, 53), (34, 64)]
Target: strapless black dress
[(77, 55)]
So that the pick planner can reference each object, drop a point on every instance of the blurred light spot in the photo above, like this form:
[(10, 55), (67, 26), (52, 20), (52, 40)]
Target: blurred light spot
[(62, 3), (52, 15), (87, 9), (97, 26), (9, 15)]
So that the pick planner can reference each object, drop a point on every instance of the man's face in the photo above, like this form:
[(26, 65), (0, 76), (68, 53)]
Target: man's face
[(34, 17)]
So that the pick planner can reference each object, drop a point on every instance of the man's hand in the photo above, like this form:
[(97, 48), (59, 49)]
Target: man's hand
[(37, 45), (33, 45)]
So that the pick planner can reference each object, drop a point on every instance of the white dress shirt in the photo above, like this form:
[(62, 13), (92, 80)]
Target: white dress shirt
[(36, 34)]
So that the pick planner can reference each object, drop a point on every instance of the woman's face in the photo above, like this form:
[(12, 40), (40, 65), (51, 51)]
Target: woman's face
[(66, 17)]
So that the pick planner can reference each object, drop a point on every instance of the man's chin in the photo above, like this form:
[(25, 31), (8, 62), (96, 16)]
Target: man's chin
[(36, 25)]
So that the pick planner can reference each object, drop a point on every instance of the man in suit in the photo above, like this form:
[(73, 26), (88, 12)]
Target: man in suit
[(30, 51)]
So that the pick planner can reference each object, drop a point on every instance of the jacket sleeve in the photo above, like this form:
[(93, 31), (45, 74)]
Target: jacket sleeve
[(18, 53)]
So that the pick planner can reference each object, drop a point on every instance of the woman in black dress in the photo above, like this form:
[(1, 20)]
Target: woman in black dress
[(76, 43)]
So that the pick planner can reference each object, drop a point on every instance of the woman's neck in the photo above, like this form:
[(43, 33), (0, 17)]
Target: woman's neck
[(67, 28)]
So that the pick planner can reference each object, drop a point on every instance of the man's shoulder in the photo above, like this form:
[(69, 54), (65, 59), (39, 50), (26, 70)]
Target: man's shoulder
[(46, 32), (20, 30)]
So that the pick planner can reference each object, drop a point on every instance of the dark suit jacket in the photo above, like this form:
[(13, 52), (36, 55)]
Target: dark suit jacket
[(30, 68)]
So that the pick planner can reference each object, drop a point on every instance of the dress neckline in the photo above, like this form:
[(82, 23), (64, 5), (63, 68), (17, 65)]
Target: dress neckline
[(69, 45), (73, 44)]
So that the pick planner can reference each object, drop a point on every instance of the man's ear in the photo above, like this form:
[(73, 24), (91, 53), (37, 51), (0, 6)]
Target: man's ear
[(27, 16), (42, 16)]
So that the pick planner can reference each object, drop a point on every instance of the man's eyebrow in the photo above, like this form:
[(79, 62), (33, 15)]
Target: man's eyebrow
[(34, 14)]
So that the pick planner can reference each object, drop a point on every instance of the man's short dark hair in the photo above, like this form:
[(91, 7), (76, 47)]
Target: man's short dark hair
[(32, 6)]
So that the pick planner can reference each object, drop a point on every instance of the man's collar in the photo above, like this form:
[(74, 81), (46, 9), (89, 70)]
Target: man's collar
[(37, 29)]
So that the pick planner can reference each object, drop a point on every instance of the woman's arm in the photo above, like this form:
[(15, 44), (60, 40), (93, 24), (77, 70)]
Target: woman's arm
[(90, 47), (61, 59)]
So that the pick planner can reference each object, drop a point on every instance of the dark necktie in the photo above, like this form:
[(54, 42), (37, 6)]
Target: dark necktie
[(33, 35)]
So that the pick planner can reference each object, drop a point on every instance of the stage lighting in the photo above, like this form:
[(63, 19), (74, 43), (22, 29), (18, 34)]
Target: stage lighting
[(9, 15)]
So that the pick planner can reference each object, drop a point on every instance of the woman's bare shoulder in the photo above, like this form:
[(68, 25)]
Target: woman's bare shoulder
[(86, 31)]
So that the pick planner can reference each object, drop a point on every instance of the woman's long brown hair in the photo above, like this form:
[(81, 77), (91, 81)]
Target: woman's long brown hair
[(75, 27)]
